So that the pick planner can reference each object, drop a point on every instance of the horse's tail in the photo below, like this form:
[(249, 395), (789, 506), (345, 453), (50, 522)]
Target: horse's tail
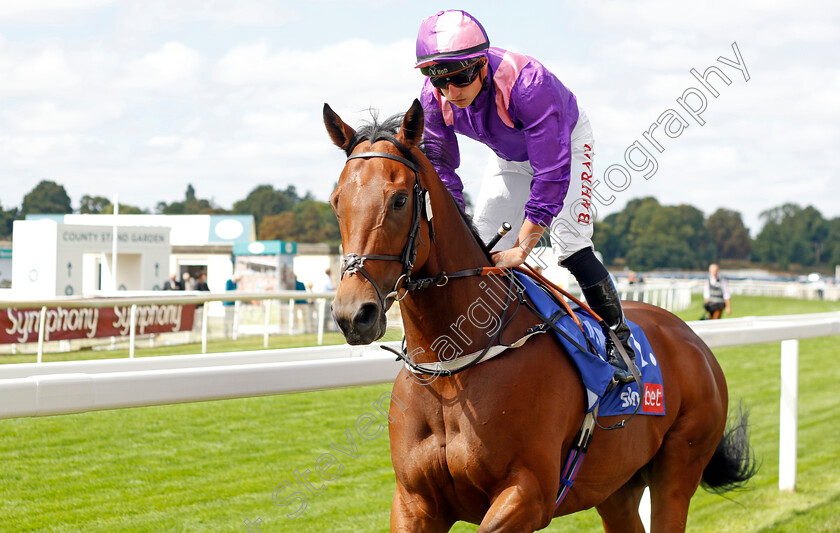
[(733, 463)]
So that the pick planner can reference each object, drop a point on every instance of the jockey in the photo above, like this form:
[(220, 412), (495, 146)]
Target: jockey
[(541, 166)]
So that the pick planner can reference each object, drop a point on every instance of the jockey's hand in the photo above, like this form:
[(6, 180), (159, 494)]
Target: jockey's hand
[(509, 258), (528, 237)]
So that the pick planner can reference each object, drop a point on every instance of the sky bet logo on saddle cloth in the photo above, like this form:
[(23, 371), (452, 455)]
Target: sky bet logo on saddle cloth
[(595, 372)]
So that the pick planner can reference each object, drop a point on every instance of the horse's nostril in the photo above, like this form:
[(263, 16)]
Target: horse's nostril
[(367, 315)]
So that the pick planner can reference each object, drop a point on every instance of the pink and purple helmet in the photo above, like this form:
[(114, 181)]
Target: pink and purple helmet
[(450, 36)]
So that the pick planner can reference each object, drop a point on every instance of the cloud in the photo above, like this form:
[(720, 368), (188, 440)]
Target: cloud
[(51, 116), (44, 71), (36, 10), (44, 153), (172, 67), (151, 14), (357, 70)]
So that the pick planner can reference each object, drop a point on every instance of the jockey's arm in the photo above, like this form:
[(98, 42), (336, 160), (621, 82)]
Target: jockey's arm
[(441, 144)]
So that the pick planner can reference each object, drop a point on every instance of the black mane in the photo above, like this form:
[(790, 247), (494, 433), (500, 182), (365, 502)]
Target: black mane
[(374, 131)]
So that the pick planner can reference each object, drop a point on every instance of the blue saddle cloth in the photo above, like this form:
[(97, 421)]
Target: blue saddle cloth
[(595, 372)]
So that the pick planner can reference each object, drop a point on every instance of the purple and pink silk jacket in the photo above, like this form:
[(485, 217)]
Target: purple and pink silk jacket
[(523, 113)]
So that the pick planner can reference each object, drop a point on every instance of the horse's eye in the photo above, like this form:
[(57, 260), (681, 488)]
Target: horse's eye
[(400, 201)]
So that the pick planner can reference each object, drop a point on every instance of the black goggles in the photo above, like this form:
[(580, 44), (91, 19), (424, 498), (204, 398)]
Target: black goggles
[(458, 73)]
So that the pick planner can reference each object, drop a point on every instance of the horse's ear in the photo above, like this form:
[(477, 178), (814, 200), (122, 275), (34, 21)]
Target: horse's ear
[(339, 132), (411, 131)]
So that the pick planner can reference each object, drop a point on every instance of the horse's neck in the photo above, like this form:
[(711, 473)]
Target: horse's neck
[(455, 247), (429, 314)]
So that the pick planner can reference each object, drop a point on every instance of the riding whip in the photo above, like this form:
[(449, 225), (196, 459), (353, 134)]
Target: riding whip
[(499, 234)]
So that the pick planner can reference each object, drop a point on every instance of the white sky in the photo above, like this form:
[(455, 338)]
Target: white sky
[(141, 97)]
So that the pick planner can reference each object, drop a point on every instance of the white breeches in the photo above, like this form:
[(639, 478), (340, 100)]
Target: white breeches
[(506, 186)]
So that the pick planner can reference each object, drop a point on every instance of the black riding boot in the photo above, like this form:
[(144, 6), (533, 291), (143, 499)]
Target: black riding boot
[(600, 294), (603, 299)]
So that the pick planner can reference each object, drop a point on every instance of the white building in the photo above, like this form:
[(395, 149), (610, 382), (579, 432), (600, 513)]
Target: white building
[(196, 243), (54, 259)]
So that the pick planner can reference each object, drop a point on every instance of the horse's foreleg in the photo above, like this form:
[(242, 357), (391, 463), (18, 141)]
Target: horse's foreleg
[(521, 507), (620, 512), (411, 513)]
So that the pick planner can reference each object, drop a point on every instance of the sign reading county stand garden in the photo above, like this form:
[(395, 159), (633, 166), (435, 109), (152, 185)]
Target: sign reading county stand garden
[(22, 325)]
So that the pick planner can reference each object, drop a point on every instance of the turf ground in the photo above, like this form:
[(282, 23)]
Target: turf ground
[(211, 466)]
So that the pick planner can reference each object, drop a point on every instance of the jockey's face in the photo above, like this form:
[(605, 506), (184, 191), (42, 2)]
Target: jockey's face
[(463, 96)]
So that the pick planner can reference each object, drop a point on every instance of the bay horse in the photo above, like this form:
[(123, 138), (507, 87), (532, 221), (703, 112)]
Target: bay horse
[(487, 445)]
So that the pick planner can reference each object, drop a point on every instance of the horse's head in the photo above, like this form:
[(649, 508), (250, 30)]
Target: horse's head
[(380, 205)]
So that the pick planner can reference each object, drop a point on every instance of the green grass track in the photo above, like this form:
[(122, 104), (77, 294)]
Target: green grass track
[(210, 466)]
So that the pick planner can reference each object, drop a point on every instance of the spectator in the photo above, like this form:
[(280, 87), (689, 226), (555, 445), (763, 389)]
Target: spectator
[(187, 283), (201, 283), (325, 283), (172, 284), (230, 308), (231, 285), (715, 295), (305, 310), (633, 278), (299, 286)]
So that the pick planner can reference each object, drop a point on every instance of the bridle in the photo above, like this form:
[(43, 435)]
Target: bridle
[(352, 262)]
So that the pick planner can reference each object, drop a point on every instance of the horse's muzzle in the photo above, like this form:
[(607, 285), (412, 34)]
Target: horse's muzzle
[(360, 322)]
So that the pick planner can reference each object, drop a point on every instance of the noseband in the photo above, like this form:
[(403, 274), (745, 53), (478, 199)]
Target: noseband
[(352, 263)]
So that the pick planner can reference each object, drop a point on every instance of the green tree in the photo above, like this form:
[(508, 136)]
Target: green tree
[(650, 235), (93, 205), (46, 197), (308, 221), (655, 240), (625, 229), (125, 209), (191, 205), (813, 229), (7, 219), (606, 239), (832, 251), (731, 238), (265, 200), (792, 234), (772, 243), (99, 205)]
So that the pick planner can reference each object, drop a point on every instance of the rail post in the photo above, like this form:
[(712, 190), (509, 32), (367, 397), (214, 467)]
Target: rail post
[(788, 415), (266, 320), (204, 313), (322, 303), (235, 332), (42, 327), (291, 316), (132, 331)]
